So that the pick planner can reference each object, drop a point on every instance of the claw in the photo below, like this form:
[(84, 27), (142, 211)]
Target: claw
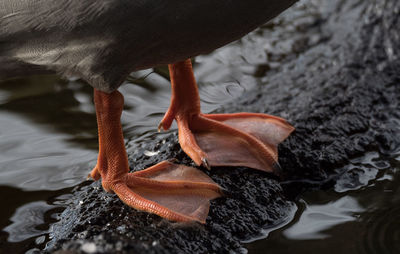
[(278, 169), (174, 192), (160, 125), (239, 139), (205, 163), (172, 160)]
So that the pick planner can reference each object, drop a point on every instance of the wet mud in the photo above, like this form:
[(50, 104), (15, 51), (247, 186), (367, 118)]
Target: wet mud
[(332, 68)]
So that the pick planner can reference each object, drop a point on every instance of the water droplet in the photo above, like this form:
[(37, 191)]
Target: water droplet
[(89, 248), (150, 153)]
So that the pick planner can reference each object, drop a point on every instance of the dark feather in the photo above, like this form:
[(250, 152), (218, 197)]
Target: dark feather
[(103, 41)]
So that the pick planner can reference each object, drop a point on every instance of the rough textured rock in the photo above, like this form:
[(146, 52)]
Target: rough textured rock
[(337, 82)]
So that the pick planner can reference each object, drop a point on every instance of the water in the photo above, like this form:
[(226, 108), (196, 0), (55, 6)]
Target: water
[(363, 218), (48, 145)]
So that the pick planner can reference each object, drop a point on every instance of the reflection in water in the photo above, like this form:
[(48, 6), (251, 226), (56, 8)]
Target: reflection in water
[(382, 220), (315, 219), (25, 217), (34, 157), (364, 219), (26, 221), (360, 172)]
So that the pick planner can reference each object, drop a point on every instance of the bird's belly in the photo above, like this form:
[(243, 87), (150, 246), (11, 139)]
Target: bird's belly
[(10, 68), (108, 43), (190, 29)]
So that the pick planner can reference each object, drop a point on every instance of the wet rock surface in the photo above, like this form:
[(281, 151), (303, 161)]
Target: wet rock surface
[(332, 70)]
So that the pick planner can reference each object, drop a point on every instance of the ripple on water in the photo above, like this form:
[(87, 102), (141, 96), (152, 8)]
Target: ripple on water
[(361, 172), (381, 222), (382, 234), (27, 222)]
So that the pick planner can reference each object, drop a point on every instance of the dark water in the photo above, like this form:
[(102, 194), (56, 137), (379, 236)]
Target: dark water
[(48, 145), (353, 217)]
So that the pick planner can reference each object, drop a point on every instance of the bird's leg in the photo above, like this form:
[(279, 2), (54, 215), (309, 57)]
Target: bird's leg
[(241, 139), (175, 192)]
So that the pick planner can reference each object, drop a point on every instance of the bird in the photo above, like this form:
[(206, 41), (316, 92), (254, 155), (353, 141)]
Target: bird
[(102, 42)]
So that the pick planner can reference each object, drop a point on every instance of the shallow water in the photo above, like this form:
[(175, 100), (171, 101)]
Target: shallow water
[(350, 218), (48, 144)]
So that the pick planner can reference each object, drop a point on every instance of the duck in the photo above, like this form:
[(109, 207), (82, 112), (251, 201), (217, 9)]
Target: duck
[(102, 42)]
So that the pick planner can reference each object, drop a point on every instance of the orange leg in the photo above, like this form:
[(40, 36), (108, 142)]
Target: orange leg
[(241, 139), (175, 192)]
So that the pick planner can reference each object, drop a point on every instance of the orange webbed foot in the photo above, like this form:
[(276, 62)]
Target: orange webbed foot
[(182, 193), (174, 192), (94, 174), (241, 139)]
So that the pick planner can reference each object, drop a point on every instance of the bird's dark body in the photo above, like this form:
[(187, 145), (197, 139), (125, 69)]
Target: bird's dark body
[(103, 41)]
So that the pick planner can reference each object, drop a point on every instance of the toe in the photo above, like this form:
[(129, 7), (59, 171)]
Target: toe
[(175, 192)]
